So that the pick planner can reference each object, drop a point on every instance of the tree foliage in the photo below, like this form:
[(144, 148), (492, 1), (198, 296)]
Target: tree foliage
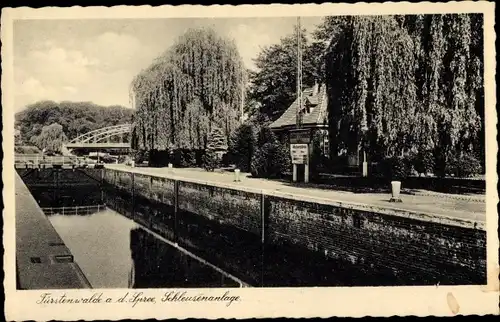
[(400, 83), (272, 158), (51, 138), (76, 118), (193, 87), (273, 84), (243, 145)]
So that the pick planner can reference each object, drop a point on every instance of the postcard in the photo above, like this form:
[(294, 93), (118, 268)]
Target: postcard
[(250, 161)]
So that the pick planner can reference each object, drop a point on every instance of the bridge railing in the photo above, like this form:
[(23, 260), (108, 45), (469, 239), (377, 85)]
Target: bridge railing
[(102, 133), (75, 210), (44, 159)]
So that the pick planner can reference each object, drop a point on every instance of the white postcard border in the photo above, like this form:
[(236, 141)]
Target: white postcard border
[(258, 302)]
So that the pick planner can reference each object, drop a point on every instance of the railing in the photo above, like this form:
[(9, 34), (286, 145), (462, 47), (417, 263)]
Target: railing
[(76, 210), (39, 159)]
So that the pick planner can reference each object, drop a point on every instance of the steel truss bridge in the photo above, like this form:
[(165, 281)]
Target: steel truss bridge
[(100, 139)]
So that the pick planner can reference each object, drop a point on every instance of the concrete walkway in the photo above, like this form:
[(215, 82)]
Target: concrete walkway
[(42, 259), (434, 204)]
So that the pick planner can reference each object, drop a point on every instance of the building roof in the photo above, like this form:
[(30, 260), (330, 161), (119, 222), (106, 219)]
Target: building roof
[(313, 98)]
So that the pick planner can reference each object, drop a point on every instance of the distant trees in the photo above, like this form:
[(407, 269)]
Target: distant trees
[(273, 84), (51, 138), (76, 118), (195, 86)]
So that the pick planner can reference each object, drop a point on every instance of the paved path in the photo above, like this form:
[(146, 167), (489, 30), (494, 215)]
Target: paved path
[(434, 205), (38, 246)]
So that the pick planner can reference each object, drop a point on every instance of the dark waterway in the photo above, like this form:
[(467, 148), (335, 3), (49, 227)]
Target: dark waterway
[(115, 252)]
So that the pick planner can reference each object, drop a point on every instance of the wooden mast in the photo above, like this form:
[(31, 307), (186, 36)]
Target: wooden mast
[(299, 75)]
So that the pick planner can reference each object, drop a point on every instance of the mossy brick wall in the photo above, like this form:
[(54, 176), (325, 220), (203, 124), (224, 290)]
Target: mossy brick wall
[(227, 206), (394, 247)]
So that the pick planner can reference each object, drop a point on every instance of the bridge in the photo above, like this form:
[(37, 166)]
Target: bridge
[(100, 139)]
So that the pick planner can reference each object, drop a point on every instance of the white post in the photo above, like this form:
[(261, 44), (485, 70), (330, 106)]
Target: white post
[(236, 175), (294, 173), (365, 165), (306, 172)]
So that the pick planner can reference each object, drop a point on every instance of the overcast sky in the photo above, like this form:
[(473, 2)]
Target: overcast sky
[(96, 60)]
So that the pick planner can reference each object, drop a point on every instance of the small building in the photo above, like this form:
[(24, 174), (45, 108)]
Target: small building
[(314, 116)]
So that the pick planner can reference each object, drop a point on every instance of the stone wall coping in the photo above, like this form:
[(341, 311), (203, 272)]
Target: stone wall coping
[(389, 210)]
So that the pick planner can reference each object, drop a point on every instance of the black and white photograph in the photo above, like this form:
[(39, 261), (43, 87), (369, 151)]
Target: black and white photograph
[(238, 152)]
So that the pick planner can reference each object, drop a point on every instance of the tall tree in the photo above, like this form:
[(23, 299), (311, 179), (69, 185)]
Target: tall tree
[(51, 138), (273, 84), (193, 87), (370, 83), (449, 82), (401, 83)]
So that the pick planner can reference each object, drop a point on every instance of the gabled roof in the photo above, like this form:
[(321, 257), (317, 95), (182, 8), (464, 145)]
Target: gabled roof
[(318, 110)]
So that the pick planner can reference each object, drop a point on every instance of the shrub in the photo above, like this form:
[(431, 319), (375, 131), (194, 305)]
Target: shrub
[(26, 149), (463, 165), (187, 158), (395, 168), (210, 162), (243, 145), (140, 156), (272, 160), (423, 161)]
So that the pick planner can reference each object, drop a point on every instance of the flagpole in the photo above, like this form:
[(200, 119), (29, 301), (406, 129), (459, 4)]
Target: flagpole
[(299, 74)]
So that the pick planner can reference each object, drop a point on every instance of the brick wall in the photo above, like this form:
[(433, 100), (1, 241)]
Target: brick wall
[(306, 243), (393, 248)]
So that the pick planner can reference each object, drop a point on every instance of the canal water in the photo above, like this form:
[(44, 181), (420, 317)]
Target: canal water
[(115, 252)]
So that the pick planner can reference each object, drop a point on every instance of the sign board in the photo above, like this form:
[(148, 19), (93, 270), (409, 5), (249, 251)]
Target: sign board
[(300, 136), (300, 153)]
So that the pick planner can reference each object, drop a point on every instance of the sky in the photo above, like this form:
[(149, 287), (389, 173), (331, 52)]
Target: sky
[(96, 60)]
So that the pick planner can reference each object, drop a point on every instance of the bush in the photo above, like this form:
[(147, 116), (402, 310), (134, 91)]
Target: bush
[(243, 145), (463, 165), (26, 149), (270, 161), (395, 168), (423, 162), (210, 161), (187, 158), (140, 156)]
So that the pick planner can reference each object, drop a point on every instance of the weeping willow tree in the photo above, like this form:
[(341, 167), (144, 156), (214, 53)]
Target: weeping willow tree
[(397, 84), (452, 86), (193, 87), (371, 86)]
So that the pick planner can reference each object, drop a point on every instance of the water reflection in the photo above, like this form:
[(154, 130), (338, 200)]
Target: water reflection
[(115, 252)]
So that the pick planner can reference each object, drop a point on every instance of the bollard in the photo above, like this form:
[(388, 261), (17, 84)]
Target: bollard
[(132, 164), (170, 166), (237, 175), (396, 190)]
